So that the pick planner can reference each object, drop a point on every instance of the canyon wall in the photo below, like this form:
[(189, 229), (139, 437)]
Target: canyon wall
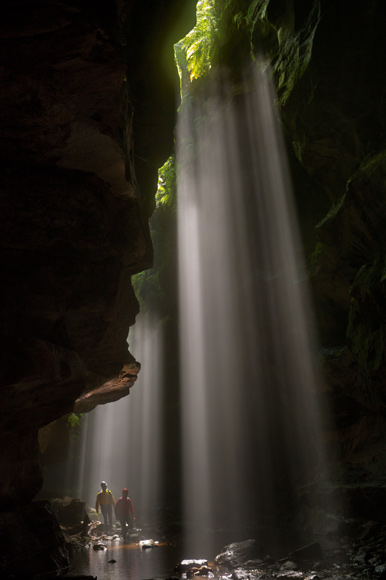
[(330, 72), (87, 112)]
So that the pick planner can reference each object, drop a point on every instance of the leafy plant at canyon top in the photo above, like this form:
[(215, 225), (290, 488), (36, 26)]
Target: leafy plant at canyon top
[(220, 24), (228, 33), (200, 43)]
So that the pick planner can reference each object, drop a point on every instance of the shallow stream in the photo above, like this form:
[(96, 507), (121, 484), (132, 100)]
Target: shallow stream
[(338, 560), (126, 561)]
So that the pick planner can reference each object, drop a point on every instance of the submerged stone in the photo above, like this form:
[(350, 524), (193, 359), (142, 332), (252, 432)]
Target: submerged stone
[(99, 547)]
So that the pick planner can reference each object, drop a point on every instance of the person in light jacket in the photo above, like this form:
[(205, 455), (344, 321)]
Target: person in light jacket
[(105, 501)]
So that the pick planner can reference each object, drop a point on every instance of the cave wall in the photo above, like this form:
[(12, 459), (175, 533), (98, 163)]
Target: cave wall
[(329, 65), (87, 106)]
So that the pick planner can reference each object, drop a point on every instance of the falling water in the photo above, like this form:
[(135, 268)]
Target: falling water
[(250, 418), (122, 441)]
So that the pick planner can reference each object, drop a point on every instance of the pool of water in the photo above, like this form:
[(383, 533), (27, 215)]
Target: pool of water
[(120, 561), (128, 560)]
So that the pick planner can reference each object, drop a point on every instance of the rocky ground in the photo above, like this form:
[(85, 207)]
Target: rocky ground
[(359, 555), (356, 561)]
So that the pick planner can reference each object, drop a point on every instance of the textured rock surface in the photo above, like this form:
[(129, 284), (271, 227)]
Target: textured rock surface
[(32, 541), (85, 105), (87, 108), (332, 101), (86, 117)]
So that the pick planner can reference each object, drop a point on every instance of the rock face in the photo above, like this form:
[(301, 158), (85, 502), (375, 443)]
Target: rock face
[(87, 106), (332, 103), (86, 118), (32, 541), (331, 99), (79, 152)]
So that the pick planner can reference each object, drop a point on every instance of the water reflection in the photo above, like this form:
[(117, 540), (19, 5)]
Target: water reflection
[(126, 561)]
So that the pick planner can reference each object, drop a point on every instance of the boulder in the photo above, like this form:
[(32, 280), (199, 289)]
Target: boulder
[(236, 554), (32, 542)]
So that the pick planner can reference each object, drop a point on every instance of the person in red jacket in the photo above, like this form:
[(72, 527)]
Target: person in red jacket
[(124, 512)]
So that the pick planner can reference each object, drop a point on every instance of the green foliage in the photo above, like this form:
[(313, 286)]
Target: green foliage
[(367, 321), (74, 420), (314, 260), (200, 43), (148, 290), (151, 286), (247, 18), (227, 33), (166, 192)]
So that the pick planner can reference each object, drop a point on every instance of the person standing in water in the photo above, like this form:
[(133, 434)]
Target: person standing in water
[(124, 512), (105, 500)]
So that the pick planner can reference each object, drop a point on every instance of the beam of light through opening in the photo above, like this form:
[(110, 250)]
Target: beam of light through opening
[(251, 418), (121, 442)]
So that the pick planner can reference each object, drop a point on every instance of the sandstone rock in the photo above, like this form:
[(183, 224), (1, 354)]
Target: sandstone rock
[(80, 86), (32, 542), (72, 513)]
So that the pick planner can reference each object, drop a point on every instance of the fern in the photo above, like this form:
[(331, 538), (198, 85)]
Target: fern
[(166, 192), (74, 419), (201, 42)]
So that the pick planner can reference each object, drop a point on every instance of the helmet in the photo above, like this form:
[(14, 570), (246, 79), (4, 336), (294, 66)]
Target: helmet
[(125, 491), (103, 484)]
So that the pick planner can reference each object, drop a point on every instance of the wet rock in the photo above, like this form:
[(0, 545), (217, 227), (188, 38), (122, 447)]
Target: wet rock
[(290, 574), (96, 529), (240, 574), (236, 554), (251, 564), (360, 558), (145, 544), (199, 571), (76, 577), (186, 565), (310, 552), (71, 512), (32, 542), (288, 565), (99, 547)]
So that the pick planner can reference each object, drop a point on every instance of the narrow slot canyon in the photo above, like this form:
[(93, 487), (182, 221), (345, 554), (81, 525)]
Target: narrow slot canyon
[(193, 208)]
